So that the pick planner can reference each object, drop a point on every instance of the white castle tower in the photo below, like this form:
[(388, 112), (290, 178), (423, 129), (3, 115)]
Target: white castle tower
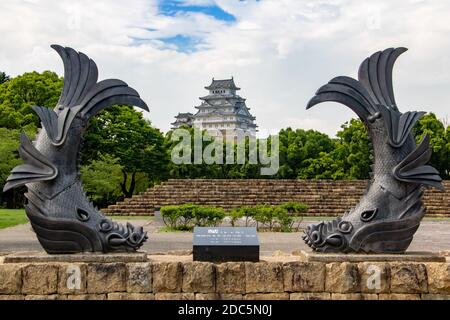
[(221, 111)]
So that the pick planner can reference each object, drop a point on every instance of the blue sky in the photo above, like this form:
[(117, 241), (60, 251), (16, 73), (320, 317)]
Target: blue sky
[(184, 42), (175, 7)]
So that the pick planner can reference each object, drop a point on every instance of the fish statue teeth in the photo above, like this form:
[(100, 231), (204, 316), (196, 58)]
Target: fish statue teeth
[(390, 211), (64, 220)]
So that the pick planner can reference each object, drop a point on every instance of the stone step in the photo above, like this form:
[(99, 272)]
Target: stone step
[(324, 197)]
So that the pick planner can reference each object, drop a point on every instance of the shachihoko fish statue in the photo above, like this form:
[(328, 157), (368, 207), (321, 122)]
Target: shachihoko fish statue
[(63, 218), (390, 211)]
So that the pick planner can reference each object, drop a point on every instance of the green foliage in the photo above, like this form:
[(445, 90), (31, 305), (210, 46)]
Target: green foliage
[(440, 142), (208, 216), (265, 215), (3, 77), (280, 217), (119, 133), (123, 134), (284, 220), (313, 155), (203, 170), (9, 158), (171, 215), (101, 180), (187, 216), (294, 207), (246, 213), (323, 167), (19, 94), (297, 147), (353, 151)]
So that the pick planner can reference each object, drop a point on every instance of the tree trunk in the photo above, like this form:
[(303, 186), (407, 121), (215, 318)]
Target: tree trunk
[(128, 193)]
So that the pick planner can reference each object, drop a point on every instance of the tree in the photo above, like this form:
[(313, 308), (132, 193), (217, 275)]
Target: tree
[(347, 157), (120, 133), (353, 150), (123, 133), (191, 170), (322, 167), (439, 140), (9, 158), (101, 180), (297, 147), (3, 77), (19, 94)]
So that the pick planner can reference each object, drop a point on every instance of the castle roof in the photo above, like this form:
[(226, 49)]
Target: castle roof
[(222, 84), (184, 114)]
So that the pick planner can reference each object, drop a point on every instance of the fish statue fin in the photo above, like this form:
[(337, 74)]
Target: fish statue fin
[(82, 95), (375, 74), (36, 166), (349, 92), (413, 168)]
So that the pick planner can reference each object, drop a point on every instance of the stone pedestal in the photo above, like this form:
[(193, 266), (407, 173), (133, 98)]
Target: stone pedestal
[(340, 257), (42, 257)]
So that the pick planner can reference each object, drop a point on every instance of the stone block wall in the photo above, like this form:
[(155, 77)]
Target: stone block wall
[(324, 197), (166, 277)]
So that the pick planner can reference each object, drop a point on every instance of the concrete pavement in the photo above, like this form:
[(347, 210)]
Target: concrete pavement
[(433, 235)]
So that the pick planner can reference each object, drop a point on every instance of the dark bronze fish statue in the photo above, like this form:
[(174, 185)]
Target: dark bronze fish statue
[(63, 218), (390, 211)]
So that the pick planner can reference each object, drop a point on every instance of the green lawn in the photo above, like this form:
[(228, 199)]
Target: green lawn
[(132, 217), (12, 217)]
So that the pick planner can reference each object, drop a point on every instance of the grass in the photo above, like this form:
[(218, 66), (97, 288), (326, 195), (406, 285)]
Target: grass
[(149, 218), (436, 218), (12, 217), (315, 218), (169, 229)]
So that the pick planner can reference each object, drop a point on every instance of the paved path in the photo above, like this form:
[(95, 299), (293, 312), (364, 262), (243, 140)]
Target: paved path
[(433, 235)]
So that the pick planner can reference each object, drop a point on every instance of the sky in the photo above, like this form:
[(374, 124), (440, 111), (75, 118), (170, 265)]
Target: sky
[(278, 51)]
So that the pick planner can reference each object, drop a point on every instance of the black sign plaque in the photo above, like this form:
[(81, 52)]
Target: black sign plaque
[(219, 244)]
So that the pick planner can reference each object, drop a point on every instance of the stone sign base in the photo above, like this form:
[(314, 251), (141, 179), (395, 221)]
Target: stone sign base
[(300, 276)]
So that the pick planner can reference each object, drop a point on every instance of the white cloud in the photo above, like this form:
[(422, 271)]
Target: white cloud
[(279, 51)]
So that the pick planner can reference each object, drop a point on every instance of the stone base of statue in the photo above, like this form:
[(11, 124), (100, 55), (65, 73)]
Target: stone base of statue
[(355, 258)]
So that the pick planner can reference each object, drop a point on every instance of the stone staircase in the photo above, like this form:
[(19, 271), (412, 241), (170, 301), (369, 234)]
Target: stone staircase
[(324, 197)]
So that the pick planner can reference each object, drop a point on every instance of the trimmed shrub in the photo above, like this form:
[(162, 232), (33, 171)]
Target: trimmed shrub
[(285, 217), (265, 215), (281, 217), (284, 220), (208, 216), (187, 216), (170, 215), (293, 207), (247, 213)]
